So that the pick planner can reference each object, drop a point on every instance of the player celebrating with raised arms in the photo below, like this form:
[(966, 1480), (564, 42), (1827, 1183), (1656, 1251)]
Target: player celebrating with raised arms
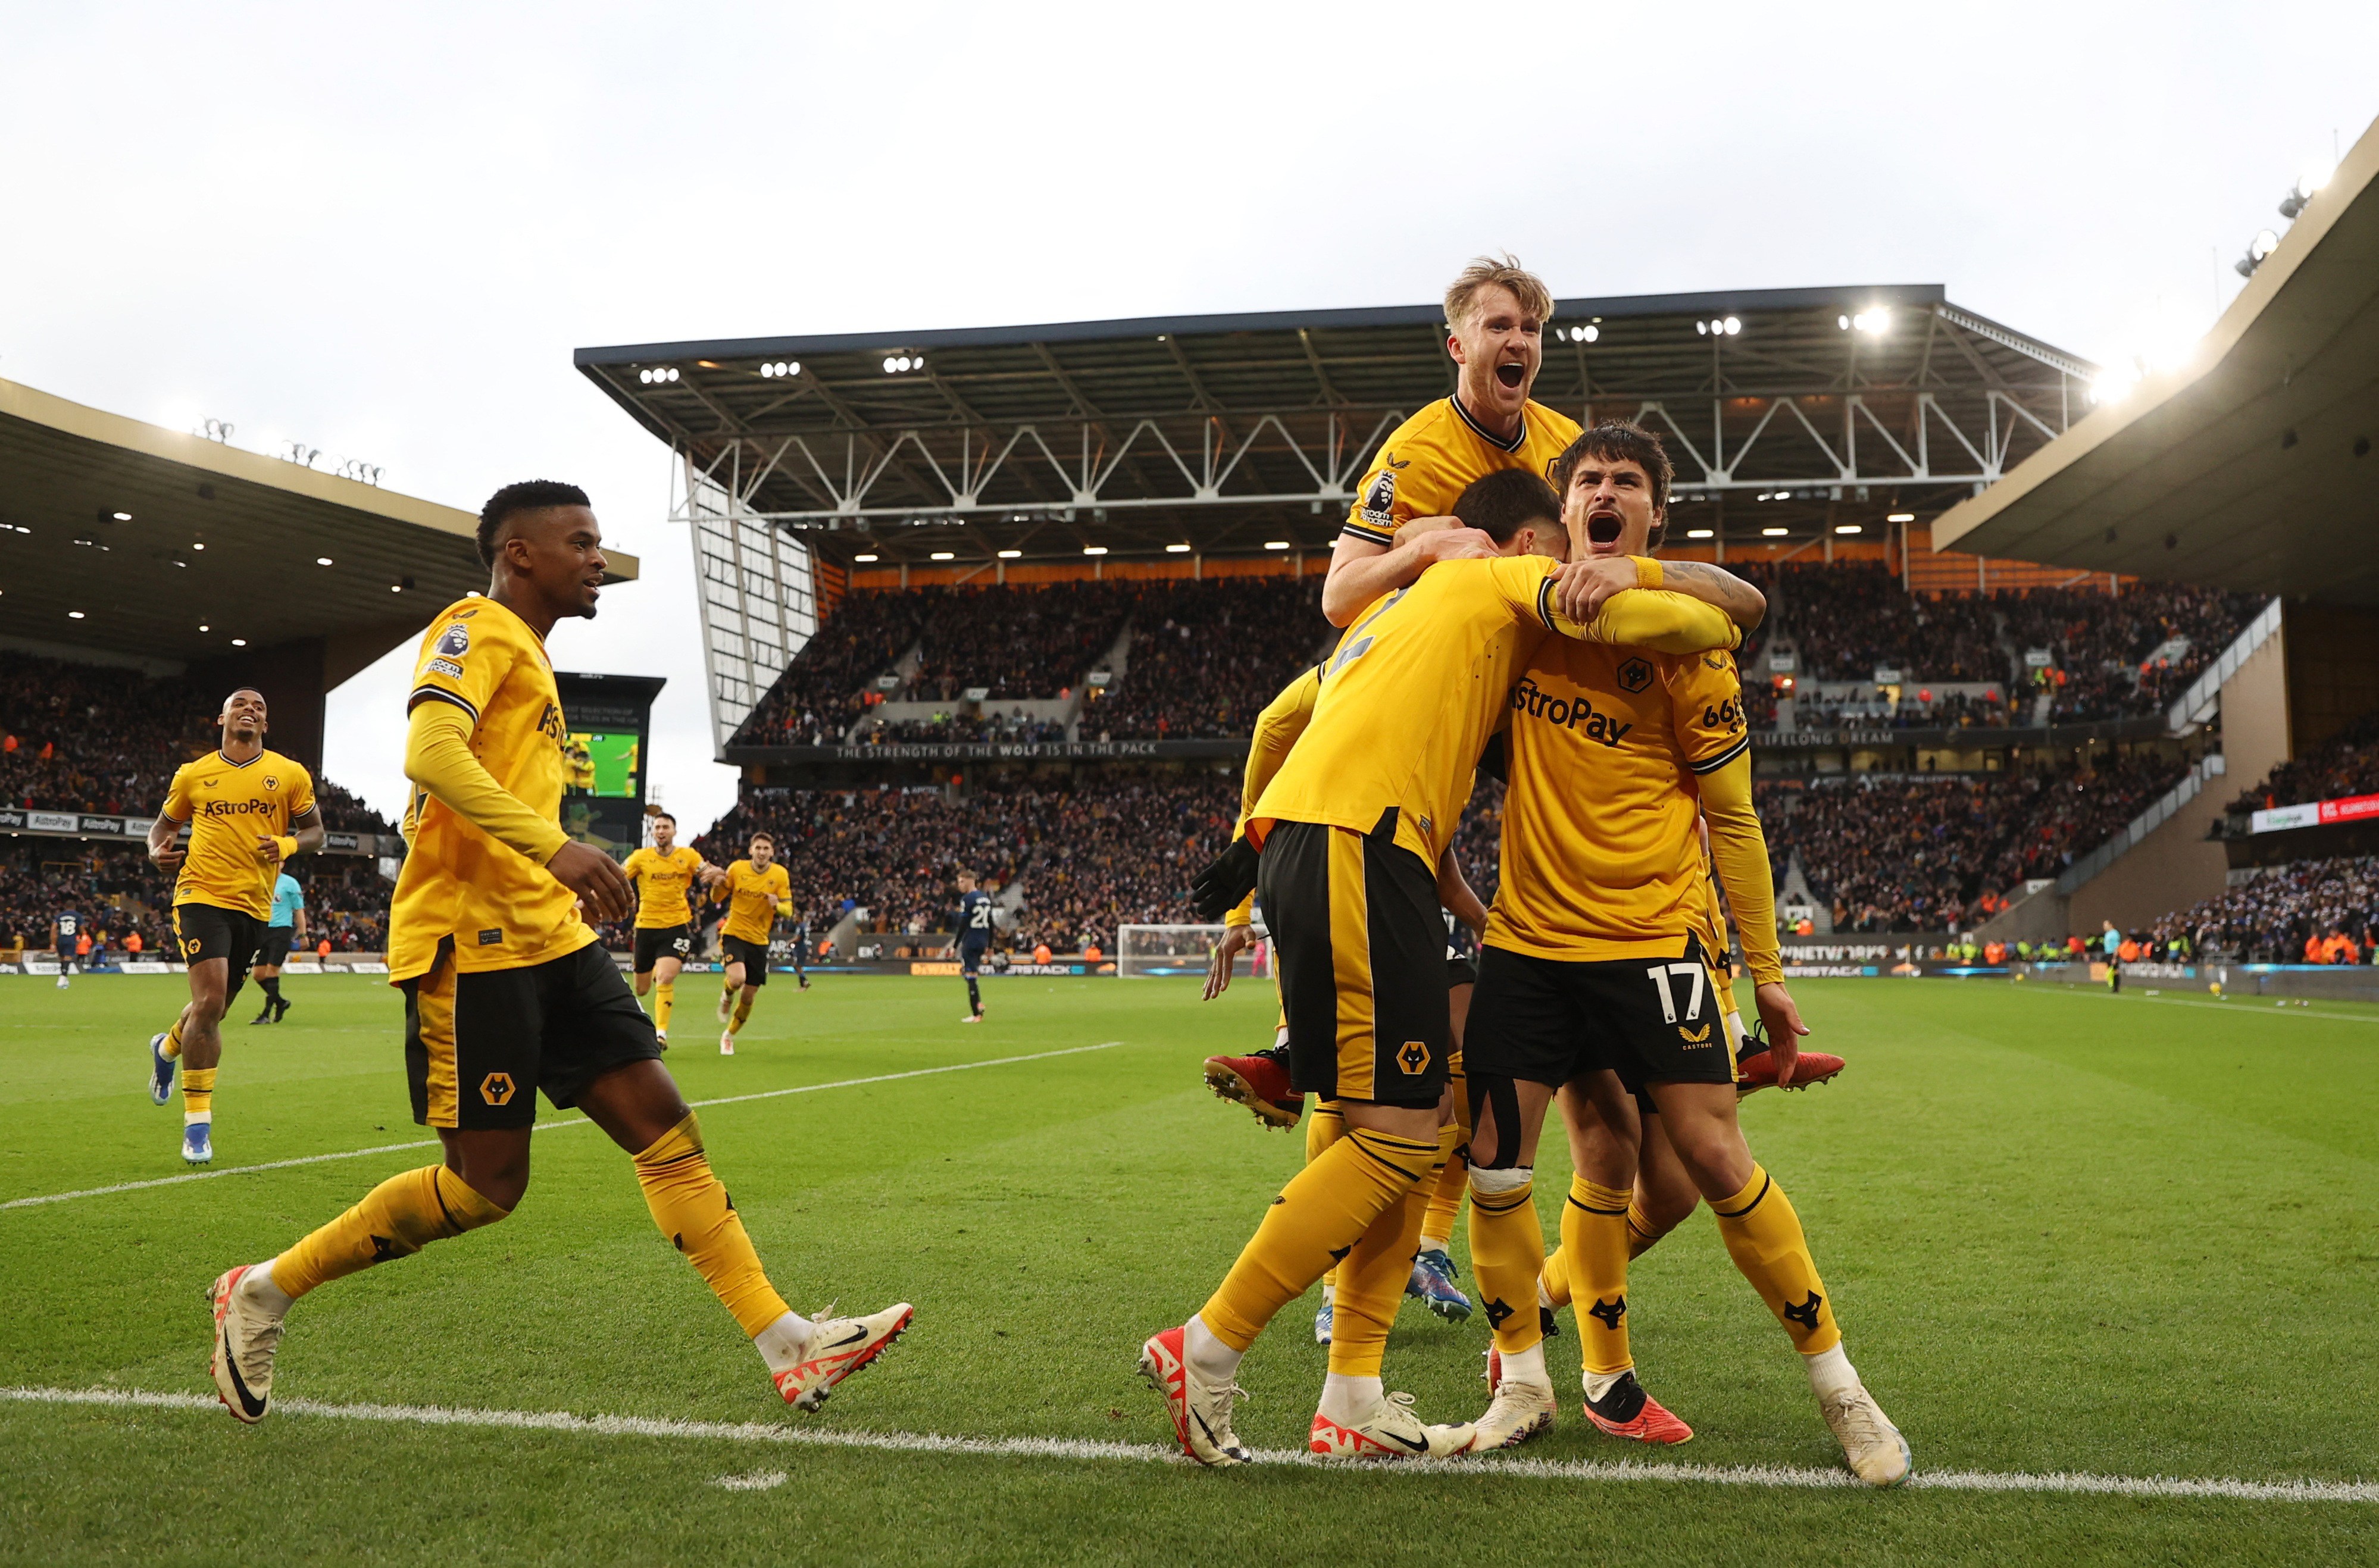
[(756, 892), (1344, 845), (248, 810), (508, 992), (664, 873)]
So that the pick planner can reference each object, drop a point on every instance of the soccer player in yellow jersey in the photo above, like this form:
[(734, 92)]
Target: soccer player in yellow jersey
[(1595, 974), (506, 990), (1343, 845), (1495, 315), (756, 892), (664, 873), (248, 811)]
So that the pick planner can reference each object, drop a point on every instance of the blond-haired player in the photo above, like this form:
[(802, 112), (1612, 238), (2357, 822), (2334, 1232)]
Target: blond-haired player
[(756, 892), (248, 810), (507, 991), (664, 873)]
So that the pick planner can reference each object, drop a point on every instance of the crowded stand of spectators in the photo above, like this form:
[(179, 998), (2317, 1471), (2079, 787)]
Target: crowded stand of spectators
[(2345, 765), (1919, 854), (92, 738), (819, 694), (1094, 852), (1917, 709), (2321, 911), (1206, 657), (120, 894), (2113, 656)]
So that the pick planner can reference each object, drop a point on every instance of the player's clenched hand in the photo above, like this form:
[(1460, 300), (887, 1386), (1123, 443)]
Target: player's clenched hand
[(1218, 962), (167, 858), (595, 876), (268, 850), (1586, 585), (1784, 1028)]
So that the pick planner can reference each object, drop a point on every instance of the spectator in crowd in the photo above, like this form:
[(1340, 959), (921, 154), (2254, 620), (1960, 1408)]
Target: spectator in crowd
[(2314, 912), (2345, 765)]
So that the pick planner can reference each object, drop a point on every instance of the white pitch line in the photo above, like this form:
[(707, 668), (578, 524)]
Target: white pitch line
[(1786, 1477), (543, 1127), (2244, 1005)]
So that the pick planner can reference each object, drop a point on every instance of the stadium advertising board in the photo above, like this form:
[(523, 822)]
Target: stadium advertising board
[(2314, 814), (987, 751), (80, 825)]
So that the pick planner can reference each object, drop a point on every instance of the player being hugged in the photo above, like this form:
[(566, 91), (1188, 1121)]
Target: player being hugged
[(508, 992), (665, 873), (757, 893), (248, 810)]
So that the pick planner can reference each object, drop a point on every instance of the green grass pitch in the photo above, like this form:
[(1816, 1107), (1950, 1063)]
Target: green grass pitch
[(2066, 1233)]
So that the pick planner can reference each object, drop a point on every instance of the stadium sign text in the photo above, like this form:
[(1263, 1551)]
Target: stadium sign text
[(2313, 813)]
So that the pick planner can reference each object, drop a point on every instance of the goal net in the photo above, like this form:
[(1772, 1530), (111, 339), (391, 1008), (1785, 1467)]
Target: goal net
[(1182, 949)]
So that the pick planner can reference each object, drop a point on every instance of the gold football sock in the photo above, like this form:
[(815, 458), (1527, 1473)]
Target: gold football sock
[(1763, 1236), (743, 1013), (1325, 1126), (172, 1049), (1508, 1253), (396, 1219), (1372, 1287), (1594, 1248), (664, 998), (1641, 1236), (1445, 1195), (198, 1092), (1319, 1218), (694, 1212)]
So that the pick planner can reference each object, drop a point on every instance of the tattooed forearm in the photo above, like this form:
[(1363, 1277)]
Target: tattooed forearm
[(1743, 604)]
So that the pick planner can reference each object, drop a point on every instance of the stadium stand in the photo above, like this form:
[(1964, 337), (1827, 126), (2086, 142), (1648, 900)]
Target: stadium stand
[(2125, 654), (1207, 656), (1092, 851), (2345, 765), (2314, 912), (1919, 854)]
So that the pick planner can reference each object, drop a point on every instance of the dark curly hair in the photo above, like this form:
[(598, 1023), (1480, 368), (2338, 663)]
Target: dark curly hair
[(1614, 441), (529, 495), (1502, 503)]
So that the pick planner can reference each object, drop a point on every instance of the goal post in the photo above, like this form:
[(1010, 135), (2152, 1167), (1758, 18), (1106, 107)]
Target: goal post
[(1159, 950)]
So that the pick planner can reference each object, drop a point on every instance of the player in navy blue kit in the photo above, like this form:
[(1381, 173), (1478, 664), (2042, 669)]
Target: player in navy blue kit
[(974, 936), (62, 931)]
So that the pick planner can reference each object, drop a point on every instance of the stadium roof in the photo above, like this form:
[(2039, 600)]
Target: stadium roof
[(1796, 408), (127, 537), (2250, 466)]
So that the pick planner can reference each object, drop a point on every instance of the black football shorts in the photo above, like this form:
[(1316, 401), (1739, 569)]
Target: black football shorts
[(480, 1045)]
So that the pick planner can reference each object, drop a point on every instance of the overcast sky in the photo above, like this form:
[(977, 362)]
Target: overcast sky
[(383, 230)]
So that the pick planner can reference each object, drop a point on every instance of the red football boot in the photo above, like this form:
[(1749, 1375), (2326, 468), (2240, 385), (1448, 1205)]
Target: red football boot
[(1259, 1082)]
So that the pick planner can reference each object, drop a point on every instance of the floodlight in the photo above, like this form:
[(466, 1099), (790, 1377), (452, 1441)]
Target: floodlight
[(1773, 533), (1094, 549), (1846, 528), (1733, 325), (2263, 244), (946, 555), (122, 516), (1701, 533), (863, 560), (1011, 555), (193, 546), (205, 628), (1176, 549), (790, 368), (1701, 329), (1902, 517), (322, 561), (239, 642), (1276, 544), (1843, 322), (74, 615)]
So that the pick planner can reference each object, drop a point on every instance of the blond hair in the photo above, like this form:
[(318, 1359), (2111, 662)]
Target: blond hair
[(1487, 272)]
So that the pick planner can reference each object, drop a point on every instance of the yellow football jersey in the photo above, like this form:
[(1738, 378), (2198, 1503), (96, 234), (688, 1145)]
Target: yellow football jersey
[(662, 879), (753, 898), (503, 910), (226, 804), (1601, 851), (1431, 459), (1419, 682)]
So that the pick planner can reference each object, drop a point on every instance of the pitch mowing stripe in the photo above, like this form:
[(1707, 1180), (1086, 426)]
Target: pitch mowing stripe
[(1791, 1478), (544, 1127)]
